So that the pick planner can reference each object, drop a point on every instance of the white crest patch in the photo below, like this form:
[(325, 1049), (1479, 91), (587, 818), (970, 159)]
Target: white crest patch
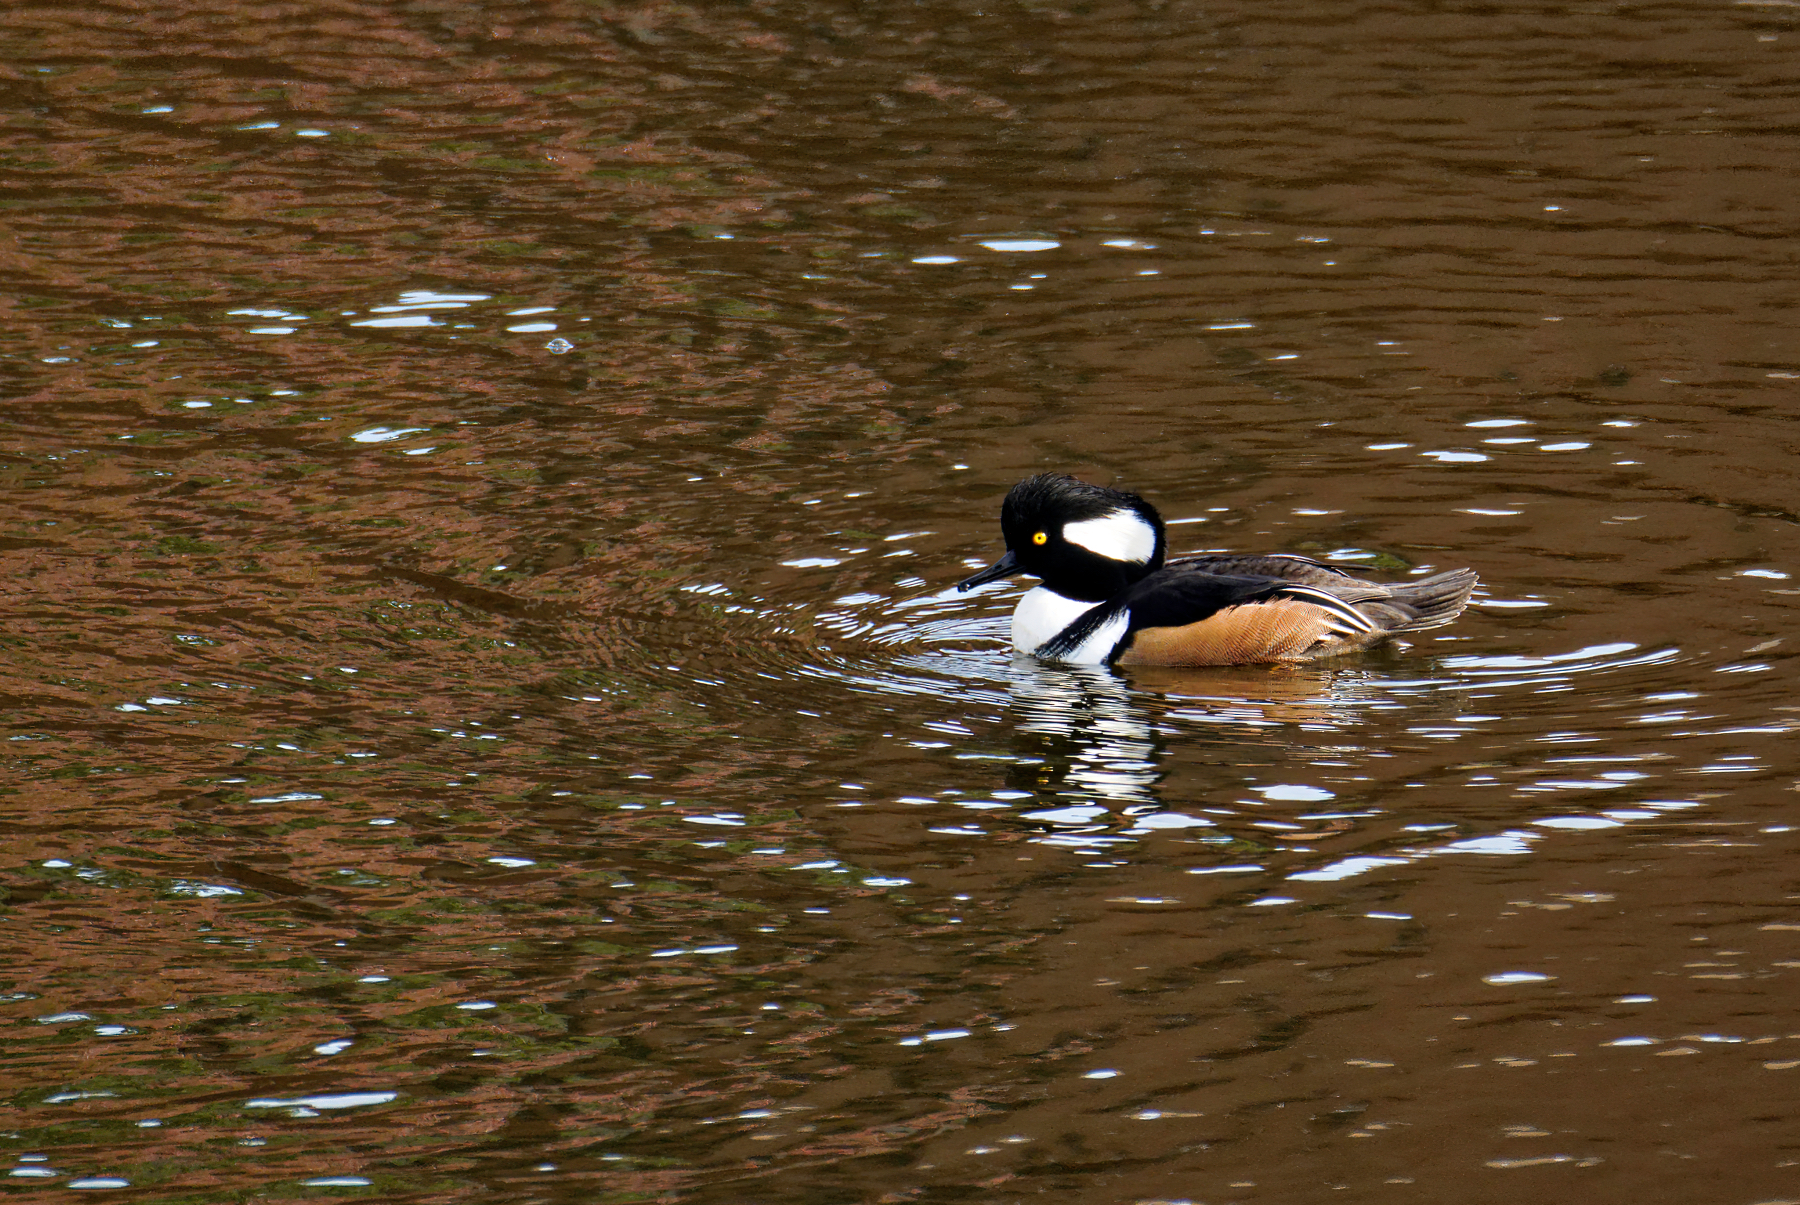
[(1042, 613), (1120, 535)]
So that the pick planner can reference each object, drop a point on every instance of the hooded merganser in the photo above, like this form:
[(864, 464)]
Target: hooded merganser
[(1108, 598)]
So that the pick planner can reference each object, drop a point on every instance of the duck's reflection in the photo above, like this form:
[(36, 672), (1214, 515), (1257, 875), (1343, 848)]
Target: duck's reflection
[(1102, 757), (1084, 738), (1111, 758)]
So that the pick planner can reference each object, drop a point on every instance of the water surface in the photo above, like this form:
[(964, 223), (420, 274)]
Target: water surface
[(488, 715)]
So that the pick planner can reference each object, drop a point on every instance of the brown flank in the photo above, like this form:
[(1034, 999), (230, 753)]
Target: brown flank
[(1282, 629)]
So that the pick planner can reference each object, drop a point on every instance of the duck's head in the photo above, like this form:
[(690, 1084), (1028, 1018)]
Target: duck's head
[(1087, 542)]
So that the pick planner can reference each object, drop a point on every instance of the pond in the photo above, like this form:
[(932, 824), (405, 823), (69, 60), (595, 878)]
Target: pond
[(489, 714)]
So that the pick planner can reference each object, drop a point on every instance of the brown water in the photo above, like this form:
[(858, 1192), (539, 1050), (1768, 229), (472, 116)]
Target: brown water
[(487, 716)]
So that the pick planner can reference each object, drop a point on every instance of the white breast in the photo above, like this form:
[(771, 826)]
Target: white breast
[(1042, 613)]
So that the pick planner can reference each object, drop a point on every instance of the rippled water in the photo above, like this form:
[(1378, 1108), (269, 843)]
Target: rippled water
[(489, 717)]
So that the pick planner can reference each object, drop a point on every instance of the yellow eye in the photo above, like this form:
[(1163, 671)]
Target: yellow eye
[(1040, 538)]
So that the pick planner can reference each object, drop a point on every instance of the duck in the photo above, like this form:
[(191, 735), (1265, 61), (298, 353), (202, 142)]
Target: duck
[(1110, 596)]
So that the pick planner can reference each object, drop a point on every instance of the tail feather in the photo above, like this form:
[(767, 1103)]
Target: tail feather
[(1430, 603)]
